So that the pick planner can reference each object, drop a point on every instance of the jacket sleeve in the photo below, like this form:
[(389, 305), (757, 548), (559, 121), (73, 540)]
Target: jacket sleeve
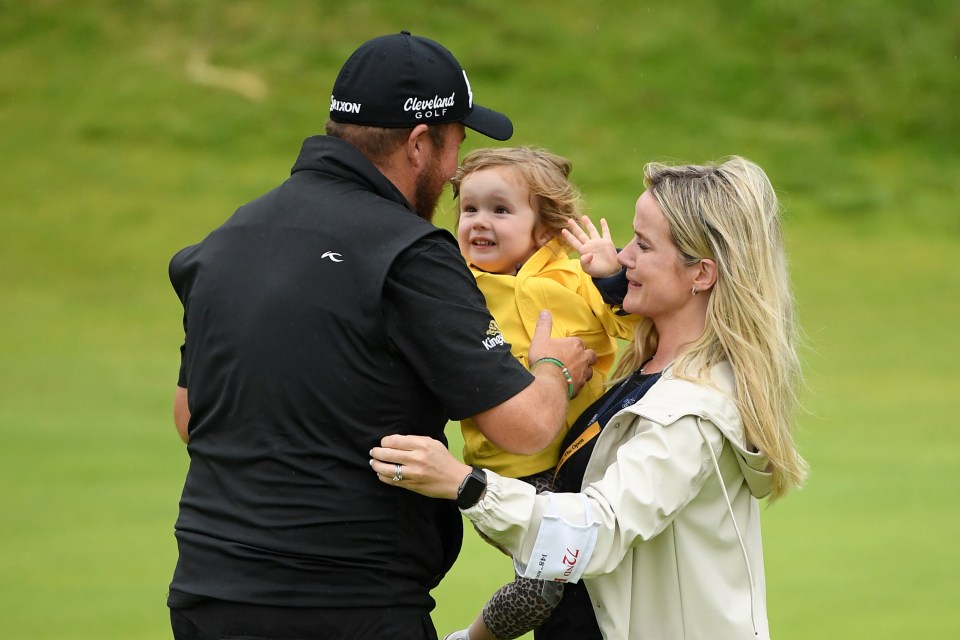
[(605, 300), (613, 289), (654, 475)]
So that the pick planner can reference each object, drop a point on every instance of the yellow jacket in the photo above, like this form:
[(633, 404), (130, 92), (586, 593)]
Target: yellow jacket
[(548, 280)]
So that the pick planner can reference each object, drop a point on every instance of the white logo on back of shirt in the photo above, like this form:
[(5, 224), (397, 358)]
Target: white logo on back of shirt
[(332, 255)]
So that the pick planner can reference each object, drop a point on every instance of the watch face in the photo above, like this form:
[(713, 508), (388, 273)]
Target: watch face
[(471, 489)]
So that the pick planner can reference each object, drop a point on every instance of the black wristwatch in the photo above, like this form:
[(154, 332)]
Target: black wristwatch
[(471, 488)]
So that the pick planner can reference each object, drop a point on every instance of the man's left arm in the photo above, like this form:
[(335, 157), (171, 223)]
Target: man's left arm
[(181, 413)]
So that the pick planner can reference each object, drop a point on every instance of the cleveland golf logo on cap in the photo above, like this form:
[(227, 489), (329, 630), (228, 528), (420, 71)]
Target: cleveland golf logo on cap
[(431, 108)]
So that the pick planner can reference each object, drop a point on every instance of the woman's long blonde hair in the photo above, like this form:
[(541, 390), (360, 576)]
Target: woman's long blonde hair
[(729, 213)]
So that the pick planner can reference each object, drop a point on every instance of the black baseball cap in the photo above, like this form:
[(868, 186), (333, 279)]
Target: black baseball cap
[(404, 80)]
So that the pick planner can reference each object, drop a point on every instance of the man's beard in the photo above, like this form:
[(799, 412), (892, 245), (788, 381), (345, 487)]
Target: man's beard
[(428, 189)]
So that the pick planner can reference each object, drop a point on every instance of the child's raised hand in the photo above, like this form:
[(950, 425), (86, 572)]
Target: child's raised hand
[(598, 254)]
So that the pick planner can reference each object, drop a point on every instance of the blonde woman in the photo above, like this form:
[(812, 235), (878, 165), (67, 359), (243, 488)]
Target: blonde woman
[(663, 476)]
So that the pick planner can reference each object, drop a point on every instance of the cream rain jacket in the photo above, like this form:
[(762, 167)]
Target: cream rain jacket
[(674, 558), (549, 280)]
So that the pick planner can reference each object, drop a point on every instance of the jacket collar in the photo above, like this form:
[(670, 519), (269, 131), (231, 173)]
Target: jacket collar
[(551, 256), (334, 157)]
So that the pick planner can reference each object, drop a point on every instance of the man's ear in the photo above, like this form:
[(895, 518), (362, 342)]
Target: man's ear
[(706, 275), (418, 147)]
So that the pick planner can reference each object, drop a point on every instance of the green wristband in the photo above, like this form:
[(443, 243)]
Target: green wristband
[(563, 368)]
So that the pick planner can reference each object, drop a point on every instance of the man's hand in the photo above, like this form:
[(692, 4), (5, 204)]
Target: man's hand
[(570, 351), (529, 421)]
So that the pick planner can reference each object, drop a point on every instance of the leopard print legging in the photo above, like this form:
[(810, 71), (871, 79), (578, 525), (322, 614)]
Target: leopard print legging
[(524, 604)]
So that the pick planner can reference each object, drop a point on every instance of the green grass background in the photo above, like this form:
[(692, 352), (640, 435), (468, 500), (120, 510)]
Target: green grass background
[(114, 157)]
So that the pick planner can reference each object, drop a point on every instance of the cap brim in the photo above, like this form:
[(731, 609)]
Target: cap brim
[(490, 123)]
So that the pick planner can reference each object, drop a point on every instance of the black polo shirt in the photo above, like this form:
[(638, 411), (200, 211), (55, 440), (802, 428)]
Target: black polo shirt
[(319, 318)]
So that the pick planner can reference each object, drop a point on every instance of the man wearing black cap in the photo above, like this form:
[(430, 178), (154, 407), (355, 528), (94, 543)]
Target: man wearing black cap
[(320, 317)]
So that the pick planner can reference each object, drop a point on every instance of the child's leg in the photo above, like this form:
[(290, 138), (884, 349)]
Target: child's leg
[(524, 604), (520, 607), (542, 481)]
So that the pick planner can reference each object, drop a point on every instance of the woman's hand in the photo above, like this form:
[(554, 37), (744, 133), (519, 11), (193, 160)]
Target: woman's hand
[(598, 254), (425, 465)]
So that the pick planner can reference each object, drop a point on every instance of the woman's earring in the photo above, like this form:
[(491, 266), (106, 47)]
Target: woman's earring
[(694, 291)]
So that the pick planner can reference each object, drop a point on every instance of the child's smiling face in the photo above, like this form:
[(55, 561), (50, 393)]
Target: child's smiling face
[(499, 226)]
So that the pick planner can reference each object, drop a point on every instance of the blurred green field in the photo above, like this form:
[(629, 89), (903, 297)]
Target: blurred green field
[(131, 129)]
